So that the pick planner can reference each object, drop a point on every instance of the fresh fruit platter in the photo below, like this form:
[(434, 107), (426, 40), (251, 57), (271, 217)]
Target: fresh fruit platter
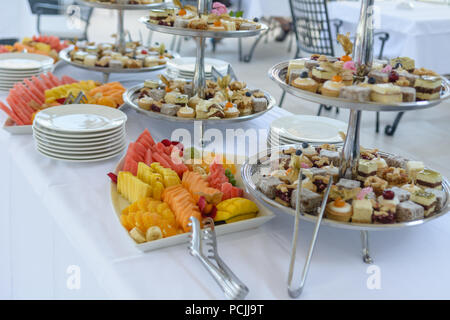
[(105, 56), (44, 45), (387, 191), (158, 186), (174, 100), (397, 83)]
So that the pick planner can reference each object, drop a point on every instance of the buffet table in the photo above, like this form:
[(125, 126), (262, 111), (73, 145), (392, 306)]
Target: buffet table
[(413, 263), (421, 33)]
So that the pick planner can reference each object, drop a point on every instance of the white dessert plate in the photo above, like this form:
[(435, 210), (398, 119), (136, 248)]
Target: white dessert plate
[(77, 157), (78, 148), (117, 136), (119, 203), (80, 118), (24, 61), (187, 65), (80, 136), (77, 144), (77, 153), (309, 129), (76, 160)]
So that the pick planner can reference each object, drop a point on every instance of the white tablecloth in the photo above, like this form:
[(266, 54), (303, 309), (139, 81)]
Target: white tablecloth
[(413, 263), (421, 33), (16, 20)]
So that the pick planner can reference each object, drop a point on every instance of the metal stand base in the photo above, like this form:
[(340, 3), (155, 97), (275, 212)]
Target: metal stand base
[(390, 129), (365, 247)]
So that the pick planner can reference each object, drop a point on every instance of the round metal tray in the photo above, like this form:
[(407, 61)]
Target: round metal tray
[(130, 95), (64, 56), (250, 167), (202, 33), (118, 6), (278, 74)]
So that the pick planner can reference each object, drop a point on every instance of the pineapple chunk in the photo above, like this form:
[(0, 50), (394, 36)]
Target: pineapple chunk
[(131, 188), (170, 177)]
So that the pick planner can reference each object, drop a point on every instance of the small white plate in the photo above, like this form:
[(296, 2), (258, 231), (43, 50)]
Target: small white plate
[(77, 143), (77, 160), (309, 129), (57, 134), (187, 64), (82, 153), (117, 136), (80, 118), (93, 157), (78, 148), (24, 61)]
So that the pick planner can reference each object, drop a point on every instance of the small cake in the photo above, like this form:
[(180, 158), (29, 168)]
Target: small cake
[(158, 14), (345, 189), (405, 62), (151, 62), (202, 109), (145, 103), (396, 161), (362, 211), (171, 97), (186, 112), (90, 60), (283, 193), (332, 88), (311, 64), (414, 167), (309, 201), (376, 183), (428, 87), (113, 63), (440, 197), (294, 65), (267, 185), (384, 214), (333, 156), (379, 76), (259, 104), (306, 84), (355, 93), (248, 26), (321, 75), (151, 84), (181, 99), (401, 194), (79, 56), (426, 199), (181, 22), (411, 188), (386, 93), (199, 24), (229, 25), (366, 168), (394, 176), (409, 211), (339, 210), (408, 76), (387, 198), (408, 94), (381, 163), (429, 179), (157, 94), (169, 109)]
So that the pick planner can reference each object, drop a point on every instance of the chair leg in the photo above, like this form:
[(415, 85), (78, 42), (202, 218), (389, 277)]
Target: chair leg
[(390, 129), (377, 122), (240, 48), (320, 109), (337, 110), (282, 99), (249, 56)]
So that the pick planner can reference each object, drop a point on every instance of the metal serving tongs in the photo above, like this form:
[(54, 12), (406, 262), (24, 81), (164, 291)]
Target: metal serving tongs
[(232, 290), (80, 98), (230, 71), (295, 292)]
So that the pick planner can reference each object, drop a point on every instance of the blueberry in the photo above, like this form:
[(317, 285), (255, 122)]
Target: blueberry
[(298, 152), (248, 94), (305, 145), (398, 65), (165, 51), (304, 74), (303, 177), (371, 80), (156, 43), (255, 19)]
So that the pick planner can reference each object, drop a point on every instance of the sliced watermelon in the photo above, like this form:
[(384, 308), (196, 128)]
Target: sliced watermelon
[(148, 157), (11, 114), (68, 80), (130, 165), (230, 192)]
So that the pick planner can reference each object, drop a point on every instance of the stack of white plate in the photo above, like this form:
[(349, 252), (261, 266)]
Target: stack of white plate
[(183, 68), (80, 132), (296, 129), (15, 67)]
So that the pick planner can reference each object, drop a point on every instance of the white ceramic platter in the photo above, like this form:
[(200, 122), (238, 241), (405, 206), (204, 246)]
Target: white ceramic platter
[(24, 61)]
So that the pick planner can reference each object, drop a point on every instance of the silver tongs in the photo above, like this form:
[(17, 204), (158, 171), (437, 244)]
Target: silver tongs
[(230, 71), (294, 292), (80, 98), (230, 284)]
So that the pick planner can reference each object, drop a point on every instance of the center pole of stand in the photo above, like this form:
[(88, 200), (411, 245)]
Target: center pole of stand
[(120, 42), (199, 84), (362, 56)]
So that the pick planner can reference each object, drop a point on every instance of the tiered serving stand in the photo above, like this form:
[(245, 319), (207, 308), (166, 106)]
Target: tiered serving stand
[(350, 151), (120, 36), (199, 81)]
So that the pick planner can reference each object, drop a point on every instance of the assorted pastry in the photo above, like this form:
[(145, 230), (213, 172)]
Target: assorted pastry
[(165, 186), (107, 55), (223, 99), (219, 19), (389, 82), (385, 190), (27, 98), (43, 45)]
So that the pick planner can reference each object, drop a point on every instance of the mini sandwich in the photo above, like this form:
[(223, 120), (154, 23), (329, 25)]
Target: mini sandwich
[(386, 93), (428, 87), (429, 179)]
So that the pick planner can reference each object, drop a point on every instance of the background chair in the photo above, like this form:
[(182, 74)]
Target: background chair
[(313, 34), (54, 17)]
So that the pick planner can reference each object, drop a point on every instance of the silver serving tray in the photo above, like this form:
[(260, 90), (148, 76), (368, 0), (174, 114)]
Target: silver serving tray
[(202, 33), (278, 74), (250, 167), (118, 6), (130, 95), (64, 56)]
